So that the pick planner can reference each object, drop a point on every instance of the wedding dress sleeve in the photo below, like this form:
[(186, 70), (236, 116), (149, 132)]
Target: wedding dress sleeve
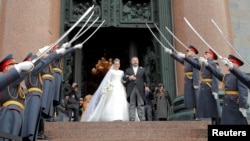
[(96, 97)]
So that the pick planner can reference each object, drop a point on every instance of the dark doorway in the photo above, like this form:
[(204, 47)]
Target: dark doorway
[(111, 43)]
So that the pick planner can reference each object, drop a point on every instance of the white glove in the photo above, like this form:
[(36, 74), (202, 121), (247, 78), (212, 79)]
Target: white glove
[(224, 61), (230, 65), (60, 51), (167, 50), (195, 87), (43, 49), (24, 66), (66, 45), (215, 95), (78, 46), (243, 111), (203, 60), (181, 55)]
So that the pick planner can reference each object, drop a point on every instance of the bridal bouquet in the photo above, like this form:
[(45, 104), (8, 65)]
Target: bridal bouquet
[(109, 87)]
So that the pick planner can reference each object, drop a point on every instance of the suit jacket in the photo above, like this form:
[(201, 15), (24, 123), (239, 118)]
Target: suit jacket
[(141, 81)]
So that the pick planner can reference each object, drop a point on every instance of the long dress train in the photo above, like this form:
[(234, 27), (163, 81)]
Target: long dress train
[(109, 102)]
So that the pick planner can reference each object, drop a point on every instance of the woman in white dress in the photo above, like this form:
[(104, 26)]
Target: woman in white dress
[(109, 102)]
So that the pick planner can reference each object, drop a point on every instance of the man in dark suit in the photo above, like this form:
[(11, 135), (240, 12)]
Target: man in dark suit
[(137, 83)]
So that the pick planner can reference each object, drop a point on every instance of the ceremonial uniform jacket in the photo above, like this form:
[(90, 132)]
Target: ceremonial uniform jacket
[(33, 98), (8, 77), (207, 104), (236, 95), (58, 73), (11, 113), (47, 96), (243, 77), (191, 79)]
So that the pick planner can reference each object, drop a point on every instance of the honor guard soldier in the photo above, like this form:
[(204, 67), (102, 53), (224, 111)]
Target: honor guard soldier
[(8, 77), (191, 79), (12, 97), (34, 85), (236, 94), (47, 97), (209, 87), (58, 76), (242, 76)]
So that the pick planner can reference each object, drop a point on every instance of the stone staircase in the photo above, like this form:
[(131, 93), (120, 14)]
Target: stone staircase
[(127, 131)]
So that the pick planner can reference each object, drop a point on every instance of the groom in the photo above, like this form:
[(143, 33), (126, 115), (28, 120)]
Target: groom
[(137, 83)]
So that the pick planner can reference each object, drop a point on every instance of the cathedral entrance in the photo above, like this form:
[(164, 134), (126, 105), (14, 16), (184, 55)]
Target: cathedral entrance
[(111, 43)]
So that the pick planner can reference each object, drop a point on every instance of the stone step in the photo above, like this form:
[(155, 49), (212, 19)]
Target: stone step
[(127, 131)]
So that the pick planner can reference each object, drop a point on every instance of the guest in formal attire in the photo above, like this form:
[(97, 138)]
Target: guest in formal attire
[(137, 84)]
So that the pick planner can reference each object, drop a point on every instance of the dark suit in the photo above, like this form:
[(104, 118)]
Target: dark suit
[(135, 91)]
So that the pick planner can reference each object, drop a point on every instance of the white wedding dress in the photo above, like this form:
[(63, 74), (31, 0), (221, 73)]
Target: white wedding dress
[(109, 105)]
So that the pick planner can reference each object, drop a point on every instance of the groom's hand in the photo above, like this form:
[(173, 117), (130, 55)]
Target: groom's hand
[(132, 77)]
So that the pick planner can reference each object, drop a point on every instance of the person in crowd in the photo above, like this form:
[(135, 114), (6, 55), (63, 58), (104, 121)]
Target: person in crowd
[(149, 106), (163, 101), (80, 107), (191, 78), (12, 96), (208, 106), (109, 100), (138, 83), (85, 103), (73, 103), (236, 93)]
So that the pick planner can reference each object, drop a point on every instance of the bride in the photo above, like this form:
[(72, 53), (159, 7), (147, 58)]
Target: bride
[(109, 101)]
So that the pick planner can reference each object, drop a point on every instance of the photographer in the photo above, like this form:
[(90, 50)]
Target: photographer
[(163, 99), (73, 102)]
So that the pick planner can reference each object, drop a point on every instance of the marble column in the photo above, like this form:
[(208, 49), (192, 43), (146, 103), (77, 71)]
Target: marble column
[(28, 25)]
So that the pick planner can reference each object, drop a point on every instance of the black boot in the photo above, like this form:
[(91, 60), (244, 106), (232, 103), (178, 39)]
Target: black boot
[(214, 121), (194, 116), (40, 134), (217, 121)]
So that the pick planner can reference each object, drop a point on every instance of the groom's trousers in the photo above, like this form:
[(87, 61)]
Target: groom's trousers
[(136, 101)]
